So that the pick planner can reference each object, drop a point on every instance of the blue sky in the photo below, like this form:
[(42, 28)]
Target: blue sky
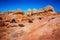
[(25, 4)]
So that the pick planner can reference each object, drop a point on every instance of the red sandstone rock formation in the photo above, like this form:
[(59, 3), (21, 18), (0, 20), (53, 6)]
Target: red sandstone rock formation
[(42, 24)]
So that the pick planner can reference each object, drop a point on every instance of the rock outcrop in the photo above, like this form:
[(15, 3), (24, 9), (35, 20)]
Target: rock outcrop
[(42, 24)]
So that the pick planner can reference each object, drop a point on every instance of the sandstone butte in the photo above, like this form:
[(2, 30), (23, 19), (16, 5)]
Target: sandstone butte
[(42, 24)]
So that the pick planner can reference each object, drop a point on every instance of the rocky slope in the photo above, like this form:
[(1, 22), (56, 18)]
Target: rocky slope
[(42, 24)]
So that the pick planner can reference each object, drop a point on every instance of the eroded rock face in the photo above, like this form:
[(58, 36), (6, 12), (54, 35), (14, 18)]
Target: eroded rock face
[(49, 8), (44, 25), (46, 9)]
